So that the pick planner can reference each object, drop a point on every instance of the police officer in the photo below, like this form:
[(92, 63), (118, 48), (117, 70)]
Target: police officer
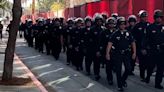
[(110, 28), (29, 33), (36, 32), (155, 41), (25, 30), (139, 34), (86, 44), (122, 42), (56, 36), (67, 40), (95, 35), (41, 35), (132, 19), (76, 42), (1, 29), (47, 36)]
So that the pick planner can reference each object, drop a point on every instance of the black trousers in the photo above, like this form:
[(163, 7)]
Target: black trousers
[(156, 60), (88, 61), (96, 64), (30, 41), (69, 54), (56, 49), (143, 64), (109, 68), (78, 59), (118, 60), (48, 46), (1, 34)]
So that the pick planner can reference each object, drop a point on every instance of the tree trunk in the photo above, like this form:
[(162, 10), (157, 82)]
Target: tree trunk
[(9, 52)]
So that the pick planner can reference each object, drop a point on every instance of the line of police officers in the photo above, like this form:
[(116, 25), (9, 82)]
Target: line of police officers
[(106, 41)]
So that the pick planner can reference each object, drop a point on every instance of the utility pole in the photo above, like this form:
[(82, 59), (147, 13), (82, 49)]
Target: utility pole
[(58, 9)]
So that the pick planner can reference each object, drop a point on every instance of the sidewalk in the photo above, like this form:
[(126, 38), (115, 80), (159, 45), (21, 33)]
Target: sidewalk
[(56, 75), (19, 71)]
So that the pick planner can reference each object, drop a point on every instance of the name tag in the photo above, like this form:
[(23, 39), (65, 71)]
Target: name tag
[(140, 28), (118, 38), (153, 31)]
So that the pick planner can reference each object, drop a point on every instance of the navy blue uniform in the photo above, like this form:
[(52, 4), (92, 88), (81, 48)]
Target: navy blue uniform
[(86, 48), (139, 33), (76, 42), (121, 54), (155, 41), (67, 40), (56, 34), (47, 37), (104, 42), (30, 36), (96, 35)]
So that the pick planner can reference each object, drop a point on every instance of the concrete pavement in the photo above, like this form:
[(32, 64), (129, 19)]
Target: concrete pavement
[(56, 75), (19, 72)]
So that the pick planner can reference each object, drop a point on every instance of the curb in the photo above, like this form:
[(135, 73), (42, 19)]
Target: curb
[(31, 75)]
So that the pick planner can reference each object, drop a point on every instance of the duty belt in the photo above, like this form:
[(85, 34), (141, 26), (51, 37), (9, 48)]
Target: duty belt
[(123, 51), (158, 47)]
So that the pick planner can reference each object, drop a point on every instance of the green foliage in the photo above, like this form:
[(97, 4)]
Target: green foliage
[(4, 4), (48, 5)]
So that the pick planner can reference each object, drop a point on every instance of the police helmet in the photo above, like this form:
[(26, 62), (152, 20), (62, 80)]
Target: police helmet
[(111, 20), (79, 20), (115, 15), (121, 20), (142, 13), (104, 15), (57, 19), (132, 18), (158, 13), (88, 18), (97, 17), (70, 21)]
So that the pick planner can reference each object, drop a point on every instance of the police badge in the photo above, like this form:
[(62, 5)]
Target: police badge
[(153, 31), (127, 34), (140, 28), (60, 27), (162, 30), (88, 28)]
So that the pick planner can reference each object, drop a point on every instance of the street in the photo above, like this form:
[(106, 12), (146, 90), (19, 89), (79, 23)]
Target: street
[(56, 75)]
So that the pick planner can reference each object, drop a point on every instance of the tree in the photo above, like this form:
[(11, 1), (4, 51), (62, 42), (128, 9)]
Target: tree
[(9, 52), (5, 5), (47, 5), (57, 6)]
